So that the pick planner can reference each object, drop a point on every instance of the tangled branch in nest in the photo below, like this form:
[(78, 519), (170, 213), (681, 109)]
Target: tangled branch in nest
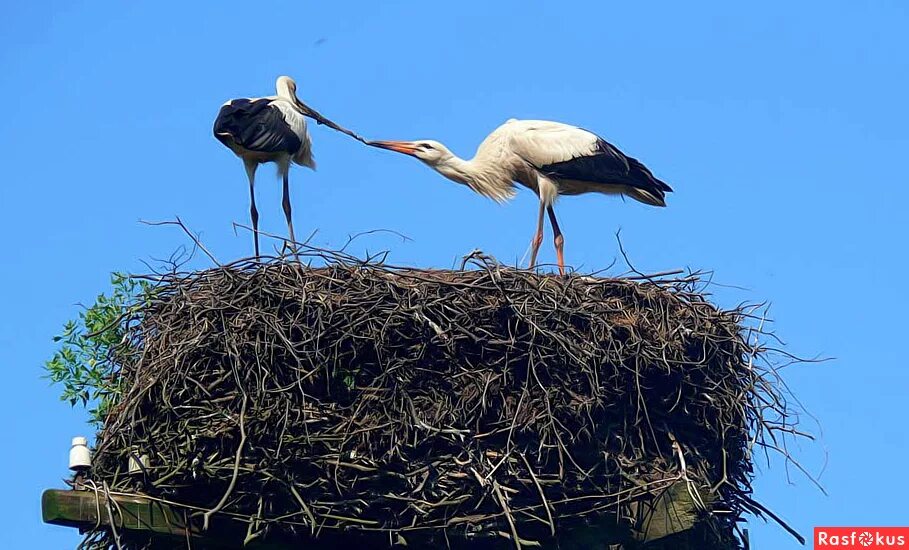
[(361, 397)]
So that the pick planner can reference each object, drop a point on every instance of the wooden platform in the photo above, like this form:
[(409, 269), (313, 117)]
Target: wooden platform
[(669, 518)]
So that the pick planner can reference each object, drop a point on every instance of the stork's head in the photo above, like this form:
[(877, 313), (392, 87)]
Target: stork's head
[(439, 158), (430, 152), (286, 88)]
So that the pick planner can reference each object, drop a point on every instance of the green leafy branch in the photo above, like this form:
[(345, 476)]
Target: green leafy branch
[(96, 345)]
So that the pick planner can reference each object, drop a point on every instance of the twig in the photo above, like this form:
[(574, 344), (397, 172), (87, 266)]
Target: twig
[(546, 506), (178, 222), (504, 505), (775, 518), (313, 114), (233, 479)]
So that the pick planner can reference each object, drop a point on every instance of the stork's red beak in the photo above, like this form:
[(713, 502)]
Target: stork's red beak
[(399, 146)]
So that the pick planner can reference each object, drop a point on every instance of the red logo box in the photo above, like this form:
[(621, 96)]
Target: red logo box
[(860, 538)]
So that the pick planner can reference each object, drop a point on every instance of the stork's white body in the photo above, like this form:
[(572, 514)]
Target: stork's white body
[(551, 158), (267, 129)]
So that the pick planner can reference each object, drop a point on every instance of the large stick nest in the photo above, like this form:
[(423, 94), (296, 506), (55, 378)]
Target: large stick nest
[(488, 401)]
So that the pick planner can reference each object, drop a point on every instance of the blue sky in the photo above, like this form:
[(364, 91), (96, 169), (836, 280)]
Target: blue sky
[(782, 128)]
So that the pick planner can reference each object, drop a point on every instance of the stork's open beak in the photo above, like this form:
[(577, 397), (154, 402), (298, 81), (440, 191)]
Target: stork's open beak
[(405, 147)]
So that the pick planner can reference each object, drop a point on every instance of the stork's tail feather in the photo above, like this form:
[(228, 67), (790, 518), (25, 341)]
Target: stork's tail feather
[(647, 197), (644, 186)]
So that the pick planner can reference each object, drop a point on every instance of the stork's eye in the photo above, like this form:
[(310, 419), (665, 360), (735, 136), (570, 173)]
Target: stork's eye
[(426, 146)]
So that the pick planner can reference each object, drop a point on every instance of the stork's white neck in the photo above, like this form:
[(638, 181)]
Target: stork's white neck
[(483, 177)]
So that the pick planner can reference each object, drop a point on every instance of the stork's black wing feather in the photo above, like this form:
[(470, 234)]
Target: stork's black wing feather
[(255, 125), (604, 165), (608, 165)]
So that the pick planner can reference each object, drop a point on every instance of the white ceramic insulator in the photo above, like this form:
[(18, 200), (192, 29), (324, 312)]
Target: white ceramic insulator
[(137, 466), (80, 458)]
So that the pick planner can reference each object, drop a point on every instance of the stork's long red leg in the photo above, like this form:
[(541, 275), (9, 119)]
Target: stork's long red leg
[(558, 240), (253, 213), (287, 214), (537, 238)]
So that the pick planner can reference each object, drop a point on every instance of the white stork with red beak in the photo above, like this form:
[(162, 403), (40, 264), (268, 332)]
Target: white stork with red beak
[(551, 159)]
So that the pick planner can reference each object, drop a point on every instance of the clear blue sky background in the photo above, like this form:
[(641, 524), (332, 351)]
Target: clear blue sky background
[(782, 127)]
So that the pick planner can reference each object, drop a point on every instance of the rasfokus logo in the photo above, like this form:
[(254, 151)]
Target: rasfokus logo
[(861, 538)]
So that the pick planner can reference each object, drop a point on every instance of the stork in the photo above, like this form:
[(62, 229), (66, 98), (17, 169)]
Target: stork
[(550, 158), (267, 129)]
